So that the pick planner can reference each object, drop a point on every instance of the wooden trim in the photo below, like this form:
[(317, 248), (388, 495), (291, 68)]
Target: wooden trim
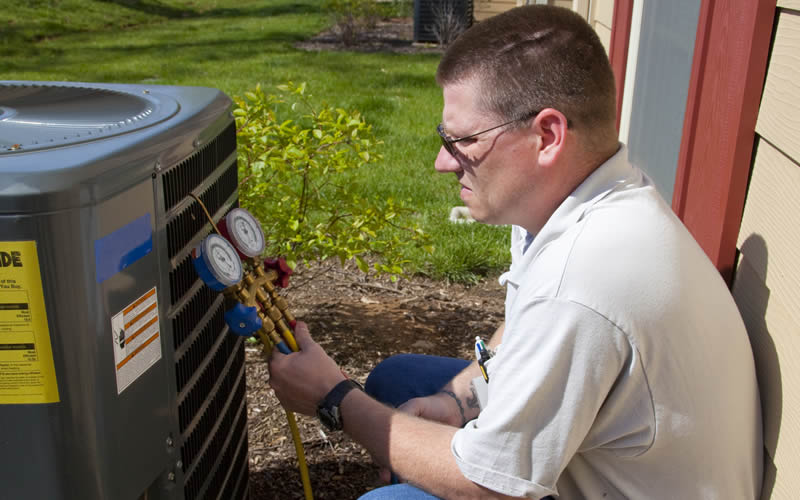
[(618, 47), (728, 71)]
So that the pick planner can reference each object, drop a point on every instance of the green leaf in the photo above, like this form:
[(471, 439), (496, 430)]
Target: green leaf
[(362, 264)]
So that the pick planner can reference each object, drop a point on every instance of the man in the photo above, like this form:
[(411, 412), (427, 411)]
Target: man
[(622, 370)]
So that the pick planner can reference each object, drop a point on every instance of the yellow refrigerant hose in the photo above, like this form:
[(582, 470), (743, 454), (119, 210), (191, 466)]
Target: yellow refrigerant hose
[(298, 443)]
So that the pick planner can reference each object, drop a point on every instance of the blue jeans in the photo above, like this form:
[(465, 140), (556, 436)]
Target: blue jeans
[(406, 376), (398, 379), (397, 492)]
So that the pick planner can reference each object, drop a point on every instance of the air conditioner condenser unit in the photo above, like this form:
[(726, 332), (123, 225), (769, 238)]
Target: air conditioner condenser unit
[(118, 377)]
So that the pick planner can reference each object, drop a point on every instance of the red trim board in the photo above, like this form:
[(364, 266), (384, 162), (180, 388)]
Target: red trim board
[(728, 71)]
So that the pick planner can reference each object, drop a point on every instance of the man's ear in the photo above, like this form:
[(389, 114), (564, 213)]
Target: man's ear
[(551, 127)]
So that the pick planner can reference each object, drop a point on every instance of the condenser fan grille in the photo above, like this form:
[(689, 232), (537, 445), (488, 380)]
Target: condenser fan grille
[(209, 361), (34, 117)]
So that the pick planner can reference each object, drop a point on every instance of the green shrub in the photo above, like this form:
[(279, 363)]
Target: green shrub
[(352, 17), (396, 8), (298, 167)]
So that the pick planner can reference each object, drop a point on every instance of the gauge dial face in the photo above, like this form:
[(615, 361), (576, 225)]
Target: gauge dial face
[(222, 260), (245, 231)]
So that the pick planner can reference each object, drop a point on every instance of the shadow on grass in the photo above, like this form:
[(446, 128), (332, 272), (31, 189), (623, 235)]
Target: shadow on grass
[(154, 7), (15, 37), (27, 57), (157, 8)]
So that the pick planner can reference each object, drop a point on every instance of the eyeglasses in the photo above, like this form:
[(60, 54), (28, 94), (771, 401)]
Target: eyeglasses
[(448, 141)]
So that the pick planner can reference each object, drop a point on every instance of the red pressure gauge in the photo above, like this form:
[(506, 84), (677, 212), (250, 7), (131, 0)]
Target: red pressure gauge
[(244, 231)]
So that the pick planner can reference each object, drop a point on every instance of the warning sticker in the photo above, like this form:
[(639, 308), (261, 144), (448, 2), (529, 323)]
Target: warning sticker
[(136, 345), (27, 374)]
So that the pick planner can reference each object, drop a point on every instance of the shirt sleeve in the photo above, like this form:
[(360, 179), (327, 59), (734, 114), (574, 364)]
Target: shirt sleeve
[(558, 362)]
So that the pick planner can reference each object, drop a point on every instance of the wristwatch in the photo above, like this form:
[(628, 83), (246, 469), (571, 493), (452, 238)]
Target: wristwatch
[(328, 410)]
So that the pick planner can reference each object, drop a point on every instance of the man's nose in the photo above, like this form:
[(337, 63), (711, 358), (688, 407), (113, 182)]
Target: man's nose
[(445, 162)]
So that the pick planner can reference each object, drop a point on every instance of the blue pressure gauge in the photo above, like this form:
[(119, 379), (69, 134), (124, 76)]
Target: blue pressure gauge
[(217, 263)]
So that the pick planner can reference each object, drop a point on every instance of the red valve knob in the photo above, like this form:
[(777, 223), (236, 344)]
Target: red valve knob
[(282, 268)]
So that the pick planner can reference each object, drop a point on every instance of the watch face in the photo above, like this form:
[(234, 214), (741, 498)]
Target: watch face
[(222, 260), (245, 232)]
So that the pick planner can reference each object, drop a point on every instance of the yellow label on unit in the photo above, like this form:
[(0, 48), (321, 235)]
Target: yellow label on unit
[(27, 374)]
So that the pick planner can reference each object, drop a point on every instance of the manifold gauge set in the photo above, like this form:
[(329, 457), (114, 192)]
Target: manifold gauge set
[(229, 262)]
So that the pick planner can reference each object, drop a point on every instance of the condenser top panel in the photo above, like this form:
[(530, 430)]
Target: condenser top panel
[(35, 116), (65, 145)]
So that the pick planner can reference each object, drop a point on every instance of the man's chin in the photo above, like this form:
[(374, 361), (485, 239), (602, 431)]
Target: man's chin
[(479, 216)]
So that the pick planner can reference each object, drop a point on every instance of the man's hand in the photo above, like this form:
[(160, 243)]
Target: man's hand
[(301, 380), (440, 407)]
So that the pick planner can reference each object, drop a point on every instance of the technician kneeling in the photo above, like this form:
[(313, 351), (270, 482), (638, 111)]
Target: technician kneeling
[(622, 370)]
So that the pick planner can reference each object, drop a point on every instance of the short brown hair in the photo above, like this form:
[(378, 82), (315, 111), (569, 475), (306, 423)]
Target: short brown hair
[(535, 57)]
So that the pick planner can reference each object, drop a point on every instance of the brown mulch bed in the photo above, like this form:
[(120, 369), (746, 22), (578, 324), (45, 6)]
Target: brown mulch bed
[(360, 321), (389, 35)]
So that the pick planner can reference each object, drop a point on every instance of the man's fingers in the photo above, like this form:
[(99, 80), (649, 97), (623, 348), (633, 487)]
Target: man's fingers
[(302, 336), (274, 356)]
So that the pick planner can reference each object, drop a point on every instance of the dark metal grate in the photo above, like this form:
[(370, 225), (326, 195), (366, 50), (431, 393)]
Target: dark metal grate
[(186, 319), (203, 388), (425, 12), (185, 226), (193, 357), (191, 172), (234, 416), (181, 279), (241, 481), (225, 476), (209, 360)]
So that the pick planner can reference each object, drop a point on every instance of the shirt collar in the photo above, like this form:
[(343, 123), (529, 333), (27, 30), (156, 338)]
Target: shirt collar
[(612, 175)]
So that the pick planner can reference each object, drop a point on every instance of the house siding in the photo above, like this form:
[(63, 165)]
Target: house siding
[(601, 18), (767, 279), (599, 13), (484, 9), (488, 8)]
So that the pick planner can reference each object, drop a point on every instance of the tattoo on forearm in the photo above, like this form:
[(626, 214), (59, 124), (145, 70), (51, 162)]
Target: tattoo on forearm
[(460, 406), (472, 402)]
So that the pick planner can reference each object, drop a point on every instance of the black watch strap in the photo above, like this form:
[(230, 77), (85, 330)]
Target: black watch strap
[(328, 411)]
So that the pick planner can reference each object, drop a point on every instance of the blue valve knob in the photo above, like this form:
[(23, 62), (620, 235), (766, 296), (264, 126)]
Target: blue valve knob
[(243, 320)]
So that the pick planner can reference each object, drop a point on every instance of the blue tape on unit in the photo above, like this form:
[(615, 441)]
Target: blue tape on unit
[(123, 247)]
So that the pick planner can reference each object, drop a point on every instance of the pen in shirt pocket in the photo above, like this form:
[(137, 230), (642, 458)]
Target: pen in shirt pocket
[(482, 354)]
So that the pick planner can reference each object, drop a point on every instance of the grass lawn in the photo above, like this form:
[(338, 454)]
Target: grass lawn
[(234, 44)]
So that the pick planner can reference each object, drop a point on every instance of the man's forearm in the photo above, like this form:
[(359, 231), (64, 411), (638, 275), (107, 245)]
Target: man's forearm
[(460, 387), (417, 450)]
